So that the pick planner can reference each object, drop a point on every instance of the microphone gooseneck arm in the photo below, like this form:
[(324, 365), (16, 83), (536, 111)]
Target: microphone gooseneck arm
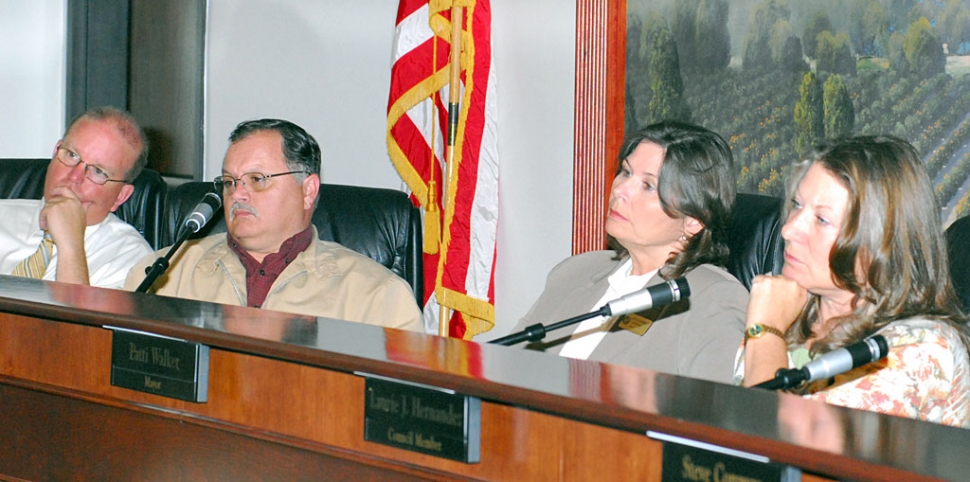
[(538, 331), (195, 221), (161, 264), (657, 295)]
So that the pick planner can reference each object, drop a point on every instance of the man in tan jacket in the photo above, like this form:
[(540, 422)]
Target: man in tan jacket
[(271, 256)]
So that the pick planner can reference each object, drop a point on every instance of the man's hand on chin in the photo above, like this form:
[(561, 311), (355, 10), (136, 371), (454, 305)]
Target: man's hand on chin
[(65, 219)]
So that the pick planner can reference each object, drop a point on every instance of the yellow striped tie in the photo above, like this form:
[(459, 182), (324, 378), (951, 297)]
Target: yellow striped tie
[(36, 265)]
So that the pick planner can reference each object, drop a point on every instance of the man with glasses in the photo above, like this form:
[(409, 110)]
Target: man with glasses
[(71, 234), (271, 256)]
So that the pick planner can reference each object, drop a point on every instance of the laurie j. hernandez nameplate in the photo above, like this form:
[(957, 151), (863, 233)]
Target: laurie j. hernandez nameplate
[(422, 419), (160, 365)]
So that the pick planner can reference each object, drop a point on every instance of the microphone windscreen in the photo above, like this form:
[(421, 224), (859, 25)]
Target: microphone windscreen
[(684, 287), (203, 212), (882, 345)]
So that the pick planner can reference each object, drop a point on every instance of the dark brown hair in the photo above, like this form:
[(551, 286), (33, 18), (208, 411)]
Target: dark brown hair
[(697, 180)]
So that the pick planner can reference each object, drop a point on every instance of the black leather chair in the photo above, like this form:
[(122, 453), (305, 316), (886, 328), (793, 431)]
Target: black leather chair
[(24, 179), (958, 247), (381, 224), (755, 237)]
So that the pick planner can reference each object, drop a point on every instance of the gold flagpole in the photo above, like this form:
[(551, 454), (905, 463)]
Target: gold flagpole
[(454, 97)]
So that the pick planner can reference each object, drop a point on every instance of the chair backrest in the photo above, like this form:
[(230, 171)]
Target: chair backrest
[(24, 179), (755, 238), (958, 248), (381, 224)]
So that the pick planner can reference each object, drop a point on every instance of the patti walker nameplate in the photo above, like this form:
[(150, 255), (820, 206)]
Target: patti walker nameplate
[(421, 418), (160, 365)]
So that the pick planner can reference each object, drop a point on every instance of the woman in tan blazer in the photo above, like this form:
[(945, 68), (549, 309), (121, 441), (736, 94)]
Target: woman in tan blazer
[(670, 207)]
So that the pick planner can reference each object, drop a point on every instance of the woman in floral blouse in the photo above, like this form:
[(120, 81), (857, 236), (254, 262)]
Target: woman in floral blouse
[(864, 254)]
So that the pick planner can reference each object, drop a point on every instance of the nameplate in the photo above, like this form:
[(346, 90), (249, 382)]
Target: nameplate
[(690, 460), (159, 365), (422, 419)]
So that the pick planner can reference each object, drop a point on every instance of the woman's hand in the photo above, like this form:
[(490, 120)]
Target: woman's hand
[(775, 301)]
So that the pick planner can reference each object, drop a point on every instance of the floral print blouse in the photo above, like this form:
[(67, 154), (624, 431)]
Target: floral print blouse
[(926, 376)]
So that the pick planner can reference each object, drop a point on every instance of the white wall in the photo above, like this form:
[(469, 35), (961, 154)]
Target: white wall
[(326, 66), (32, 78)]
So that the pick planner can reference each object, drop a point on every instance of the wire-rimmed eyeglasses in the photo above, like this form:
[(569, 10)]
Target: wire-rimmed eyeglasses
[(93, 173), (256, 181)]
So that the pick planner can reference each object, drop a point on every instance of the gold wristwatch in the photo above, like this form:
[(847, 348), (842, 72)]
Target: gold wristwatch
[(758, 330)]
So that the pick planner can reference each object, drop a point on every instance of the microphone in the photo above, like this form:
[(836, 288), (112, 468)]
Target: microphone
[(830, 364), (203, 212), (656, 295), (193, 223)]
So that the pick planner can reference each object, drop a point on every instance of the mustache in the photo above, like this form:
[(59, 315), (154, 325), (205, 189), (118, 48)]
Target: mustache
[(240, 206)]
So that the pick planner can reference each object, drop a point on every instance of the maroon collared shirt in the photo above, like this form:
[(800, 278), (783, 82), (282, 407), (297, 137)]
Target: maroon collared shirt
[(261, 276)]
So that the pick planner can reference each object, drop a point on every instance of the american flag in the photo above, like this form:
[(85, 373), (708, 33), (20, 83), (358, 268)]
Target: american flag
[(461, 212)]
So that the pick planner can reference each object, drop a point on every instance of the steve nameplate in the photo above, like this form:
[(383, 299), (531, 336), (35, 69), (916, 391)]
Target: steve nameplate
[(422, 419), (687, 463), (160, 365)]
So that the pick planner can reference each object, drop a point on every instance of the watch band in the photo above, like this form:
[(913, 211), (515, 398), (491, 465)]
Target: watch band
[(758, 330)]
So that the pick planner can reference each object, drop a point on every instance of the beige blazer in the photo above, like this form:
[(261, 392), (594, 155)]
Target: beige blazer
[(696, 337), (326, 280)]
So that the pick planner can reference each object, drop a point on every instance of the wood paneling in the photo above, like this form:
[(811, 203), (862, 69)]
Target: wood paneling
[(291, 404), (598, 132)]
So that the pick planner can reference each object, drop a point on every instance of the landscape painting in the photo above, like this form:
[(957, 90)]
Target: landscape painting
[(774, 77)]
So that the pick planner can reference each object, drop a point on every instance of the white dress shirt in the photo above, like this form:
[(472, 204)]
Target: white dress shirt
[(112, 246), (590, 332)]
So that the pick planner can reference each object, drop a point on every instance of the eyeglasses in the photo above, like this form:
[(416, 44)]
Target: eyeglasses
[(94, 173), (256, 181)]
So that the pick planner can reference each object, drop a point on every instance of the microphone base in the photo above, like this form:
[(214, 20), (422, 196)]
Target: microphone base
[(784, 379)]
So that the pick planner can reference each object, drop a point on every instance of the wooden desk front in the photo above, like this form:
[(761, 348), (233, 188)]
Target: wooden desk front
[(285, 402)]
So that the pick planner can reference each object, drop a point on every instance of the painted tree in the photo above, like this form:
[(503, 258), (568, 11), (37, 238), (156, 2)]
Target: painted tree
[(819, 23), (955, 25), (902, 13), (683, 28), (791, 57), (757, 46), (637, 75), (712, 36), (834, 54), (640, 44), (666, 84), (924, 49), (838, 110), (809, 112), (781, 31), (897, 56), (868, 24)]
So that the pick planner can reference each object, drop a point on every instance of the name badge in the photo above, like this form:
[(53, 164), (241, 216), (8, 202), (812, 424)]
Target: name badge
[(635, 323)]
